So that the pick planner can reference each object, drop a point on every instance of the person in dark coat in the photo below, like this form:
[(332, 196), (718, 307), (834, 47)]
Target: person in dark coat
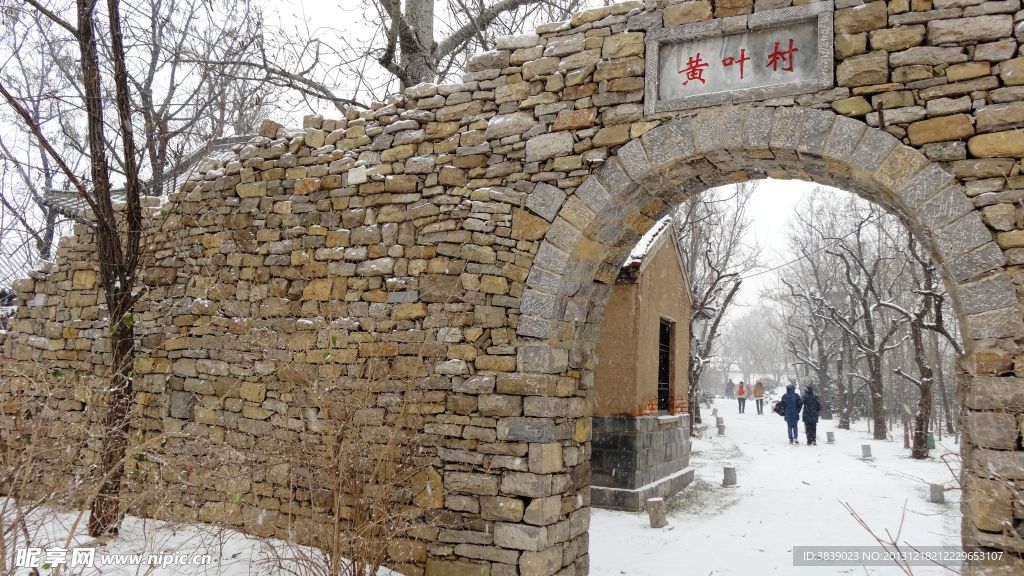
[(792, 403), (729, 388), (812, 408)]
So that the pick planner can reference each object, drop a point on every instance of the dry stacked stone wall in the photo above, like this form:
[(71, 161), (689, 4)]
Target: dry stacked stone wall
[(460, 241)]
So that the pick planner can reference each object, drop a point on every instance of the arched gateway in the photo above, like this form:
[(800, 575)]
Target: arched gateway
[(464, 238)]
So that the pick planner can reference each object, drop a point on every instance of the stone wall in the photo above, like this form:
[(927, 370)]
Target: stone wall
[(462, 239), (639, 457)]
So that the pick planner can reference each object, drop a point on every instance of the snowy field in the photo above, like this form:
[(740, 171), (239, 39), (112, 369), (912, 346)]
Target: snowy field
[(787, 495)]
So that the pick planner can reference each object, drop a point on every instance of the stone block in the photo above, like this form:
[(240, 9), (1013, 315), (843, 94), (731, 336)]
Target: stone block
[(500, 405), (996, 51), (1009, 144), (623, 45), (545, 458), (686, 12), (251, 190), (976, 29), (471, 483), (252, 391), (1002, 217), (863, 70), (541, 563), (543, 511), (896, 39), (524, 429), (182, 404), (542, 359), (847, 45), (501, 508), (992, 293), (520, 536), (549, 145), (989, 504), (967, 71), (1003, 323), (1011, 72), (863, 18), (428, 489), (928, 56), (853, 107), (575, 119), (440, 567), (526, 484), (1000, 117), (957, 127)]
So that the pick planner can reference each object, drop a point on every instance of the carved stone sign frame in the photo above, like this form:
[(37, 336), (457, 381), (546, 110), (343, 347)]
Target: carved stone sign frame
[(823, 76)]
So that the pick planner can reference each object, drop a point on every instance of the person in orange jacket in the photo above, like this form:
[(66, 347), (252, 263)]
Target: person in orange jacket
[(759, 396)]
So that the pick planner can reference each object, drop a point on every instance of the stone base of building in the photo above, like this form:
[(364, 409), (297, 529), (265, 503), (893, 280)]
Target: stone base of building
[(638, 457), (636, 500)]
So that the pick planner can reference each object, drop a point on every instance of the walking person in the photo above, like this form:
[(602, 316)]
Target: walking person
[(792, 404), (812, 408), (729, 388), (759, 396), (741, 396)]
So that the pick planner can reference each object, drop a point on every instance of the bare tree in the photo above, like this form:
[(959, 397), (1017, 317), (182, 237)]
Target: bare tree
[(28, 226), (755, 343), (868, 281), (118, 234), (181, 103), (392, 45), (710, 229), (929, 305)]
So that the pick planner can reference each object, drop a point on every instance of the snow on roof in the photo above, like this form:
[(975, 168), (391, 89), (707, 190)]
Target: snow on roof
[(636, 255)]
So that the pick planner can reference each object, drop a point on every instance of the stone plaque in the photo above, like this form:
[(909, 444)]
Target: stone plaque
[(743, 58)]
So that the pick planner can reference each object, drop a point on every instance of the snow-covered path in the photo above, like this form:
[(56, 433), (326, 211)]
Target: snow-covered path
[(787, 496)]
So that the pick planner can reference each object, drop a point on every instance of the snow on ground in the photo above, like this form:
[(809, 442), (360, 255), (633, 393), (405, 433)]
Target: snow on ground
[(786, 496), (156, 548)]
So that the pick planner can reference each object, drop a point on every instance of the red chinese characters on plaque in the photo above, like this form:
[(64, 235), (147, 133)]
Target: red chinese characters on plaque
[(746, 65), (778, 60)]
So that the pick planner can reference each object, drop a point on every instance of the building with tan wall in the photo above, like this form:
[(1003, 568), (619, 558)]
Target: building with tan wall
[(641, 420)]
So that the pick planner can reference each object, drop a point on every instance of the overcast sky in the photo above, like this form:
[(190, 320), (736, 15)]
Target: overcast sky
[(772, 207)]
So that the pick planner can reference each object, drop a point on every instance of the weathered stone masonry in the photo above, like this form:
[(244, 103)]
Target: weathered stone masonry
[(465, 236)]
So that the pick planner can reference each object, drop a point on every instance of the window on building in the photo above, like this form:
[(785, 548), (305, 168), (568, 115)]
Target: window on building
[(665, 366)]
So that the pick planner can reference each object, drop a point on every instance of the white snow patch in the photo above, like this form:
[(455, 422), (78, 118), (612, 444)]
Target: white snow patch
[(214, 550), (636, 255)]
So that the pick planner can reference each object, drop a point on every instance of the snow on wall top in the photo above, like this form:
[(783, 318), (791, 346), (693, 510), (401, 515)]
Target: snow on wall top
[(636, 255)]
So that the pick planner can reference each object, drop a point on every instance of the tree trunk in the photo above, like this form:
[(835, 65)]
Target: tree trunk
[(106, 513), (845, 391), (417, 47), (940, 376), (877, 389), (924, 403)]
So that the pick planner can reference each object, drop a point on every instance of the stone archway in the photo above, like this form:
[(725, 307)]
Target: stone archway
[(593, 229)]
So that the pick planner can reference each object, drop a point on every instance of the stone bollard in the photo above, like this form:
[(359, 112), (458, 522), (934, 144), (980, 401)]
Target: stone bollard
[(865, 451), (831, 437), (729, 476), (657, 511), (714, 411), (720, 420), (721, 429), (936, 493)]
